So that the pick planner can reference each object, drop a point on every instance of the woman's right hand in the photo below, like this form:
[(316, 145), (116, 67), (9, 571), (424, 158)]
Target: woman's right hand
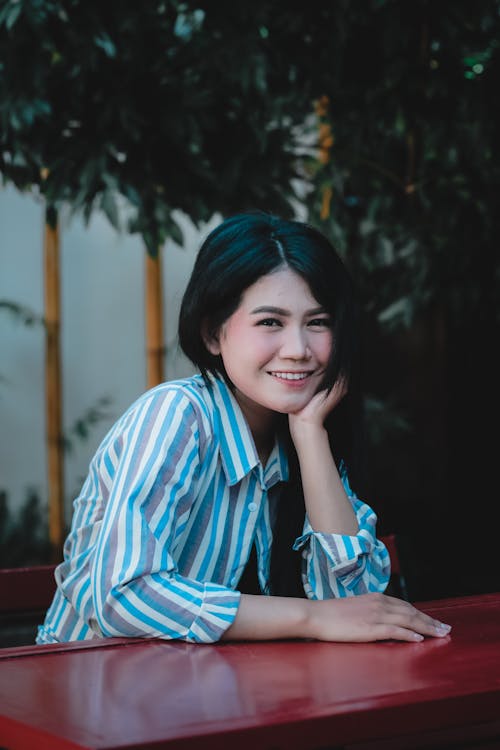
[(371, 617)]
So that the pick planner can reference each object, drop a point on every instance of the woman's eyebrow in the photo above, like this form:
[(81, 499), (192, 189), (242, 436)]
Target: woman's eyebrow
[(282, 311), (270, 309)]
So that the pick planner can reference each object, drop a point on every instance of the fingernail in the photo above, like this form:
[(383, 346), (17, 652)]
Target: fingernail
[(417, 637), (443, 628)]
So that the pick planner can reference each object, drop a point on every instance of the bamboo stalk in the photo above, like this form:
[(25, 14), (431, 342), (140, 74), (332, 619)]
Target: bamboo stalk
[(155, 346), (325, 144), (53, 388)]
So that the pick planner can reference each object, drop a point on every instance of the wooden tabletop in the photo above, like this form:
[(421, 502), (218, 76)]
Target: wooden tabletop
[(130, 693)]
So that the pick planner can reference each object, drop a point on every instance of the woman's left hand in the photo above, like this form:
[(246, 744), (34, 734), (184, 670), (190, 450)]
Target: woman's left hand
[(319, 407)]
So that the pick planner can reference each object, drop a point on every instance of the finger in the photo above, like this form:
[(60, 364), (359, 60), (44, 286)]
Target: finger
[(411, 618), (433, 628), (339, 389), (396, 633), (341, 385), (329, 398), (411, 611)]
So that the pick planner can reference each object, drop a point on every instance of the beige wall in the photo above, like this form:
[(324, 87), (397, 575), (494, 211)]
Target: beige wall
[(102, 337)]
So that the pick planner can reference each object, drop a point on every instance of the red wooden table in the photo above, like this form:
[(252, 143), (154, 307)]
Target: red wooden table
[(126, 693)]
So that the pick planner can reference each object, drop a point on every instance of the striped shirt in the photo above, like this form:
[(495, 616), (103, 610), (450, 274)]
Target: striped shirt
[(164, 524)]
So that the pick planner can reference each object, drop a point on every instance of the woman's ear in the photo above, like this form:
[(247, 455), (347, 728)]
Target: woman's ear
[(210, 338)]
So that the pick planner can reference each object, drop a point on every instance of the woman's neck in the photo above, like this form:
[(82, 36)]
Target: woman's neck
[(262, 423)]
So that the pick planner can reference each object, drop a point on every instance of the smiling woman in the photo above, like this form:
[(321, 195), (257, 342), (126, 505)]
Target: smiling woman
[(275, 348), (245, 461)]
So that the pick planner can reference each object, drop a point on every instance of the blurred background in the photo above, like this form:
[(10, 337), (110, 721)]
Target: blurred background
[(128, 131)]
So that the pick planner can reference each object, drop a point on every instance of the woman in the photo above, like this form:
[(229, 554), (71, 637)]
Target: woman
[(241, 465)]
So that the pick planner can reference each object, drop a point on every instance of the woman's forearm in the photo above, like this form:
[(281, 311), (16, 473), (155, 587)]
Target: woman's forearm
[(328, 507)]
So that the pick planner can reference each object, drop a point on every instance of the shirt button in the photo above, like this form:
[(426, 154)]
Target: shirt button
[(252, 506), (233, 581)]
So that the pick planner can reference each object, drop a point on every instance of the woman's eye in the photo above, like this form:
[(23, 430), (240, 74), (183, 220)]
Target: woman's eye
[(269, 322), (320, 323)]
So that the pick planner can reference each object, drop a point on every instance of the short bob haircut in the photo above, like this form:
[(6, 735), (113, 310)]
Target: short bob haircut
[(241, 250)]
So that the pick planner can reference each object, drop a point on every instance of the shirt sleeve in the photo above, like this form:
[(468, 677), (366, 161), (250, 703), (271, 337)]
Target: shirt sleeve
[(340, 565), (151, 467)]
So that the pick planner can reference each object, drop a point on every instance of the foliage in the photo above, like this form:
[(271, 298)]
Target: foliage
[(172, 105), (410, 177), (201, 107)]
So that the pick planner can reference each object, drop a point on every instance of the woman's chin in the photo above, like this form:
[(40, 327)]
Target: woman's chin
[(291, 406)]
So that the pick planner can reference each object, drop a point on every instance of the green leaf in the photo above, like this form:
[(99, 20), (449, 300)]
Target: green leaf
[(109, 206), (12, 13), (104, 42), (174, 232)]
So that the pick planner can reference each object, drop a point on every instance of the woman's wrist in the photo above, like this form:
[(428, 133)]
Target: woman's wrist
[(307, 435)]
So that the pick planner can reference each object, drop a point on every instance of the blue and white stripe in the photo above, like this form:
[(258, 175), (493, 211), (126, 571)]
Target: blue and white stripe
[(165, 521)]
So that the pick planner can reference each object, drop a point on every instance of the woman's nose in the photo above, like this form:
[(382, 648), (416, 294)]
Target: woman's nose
[(295, 344)]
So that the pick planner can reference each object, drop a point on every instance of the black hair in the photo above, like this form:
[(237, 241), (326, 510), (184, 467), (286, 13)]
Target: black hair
[(235, 255)]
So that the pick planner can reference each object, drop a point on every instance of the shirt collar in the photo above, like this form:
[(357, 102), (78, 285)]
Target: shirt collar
[(277, 464), (237, 447)]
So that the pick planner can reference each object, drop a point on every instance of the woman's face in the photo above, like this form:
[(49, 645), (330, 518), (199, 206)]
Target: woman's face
[(275, 346)]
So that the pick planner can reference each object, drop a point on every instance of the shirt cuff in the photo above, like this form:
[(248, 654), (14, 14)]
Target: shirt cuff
[(341, 549), (218, 610)]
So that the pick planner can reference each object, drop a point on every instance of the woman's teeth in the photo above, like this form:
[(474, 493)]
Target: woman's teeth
[(290, 375)]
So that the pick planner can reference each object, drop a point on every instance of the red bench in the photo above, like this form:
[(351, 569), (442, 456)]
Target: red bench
[(25, 594)]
